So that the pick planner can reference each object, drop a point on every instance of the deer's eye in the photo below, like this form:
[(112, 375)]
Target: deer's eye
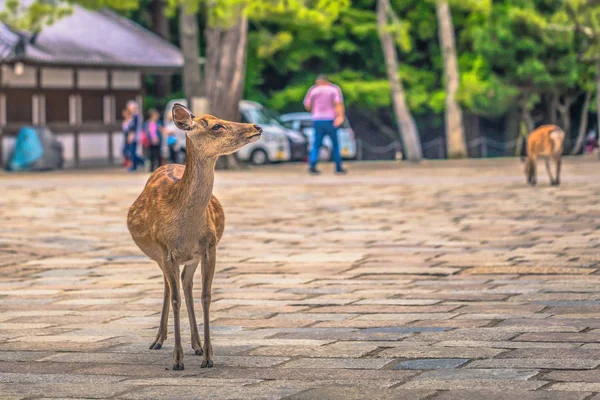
[(216, 127)]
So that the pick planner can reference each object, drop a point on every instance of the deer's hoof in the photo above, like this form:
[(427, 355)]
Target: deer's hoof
[(206, 364), (178, 367), (555, 183), (155, 346), (198, 352)]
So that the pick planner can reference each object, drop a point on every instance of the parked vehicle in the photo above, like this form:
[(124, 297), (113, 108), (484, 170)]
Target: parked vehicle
[(298, 141), (273, 146), (302, 122), (256, 113)]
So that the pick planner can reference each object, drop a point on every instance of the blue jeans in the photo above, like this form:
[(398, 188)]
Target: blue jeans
[(131, 153), (322, 129)]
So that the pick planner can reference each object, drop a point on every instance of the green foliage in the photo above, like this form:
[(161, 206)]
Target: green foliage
[(34, 17)]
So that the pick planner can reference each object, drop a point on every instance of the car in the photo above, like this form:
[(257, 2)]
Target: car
[(256, 113), (273, 146), (298, 141), (301, 121)]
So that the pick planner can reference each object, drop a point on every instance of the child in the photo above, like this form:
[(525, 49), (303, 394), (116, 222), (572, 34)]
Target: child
[(172, 143), (153, 133)]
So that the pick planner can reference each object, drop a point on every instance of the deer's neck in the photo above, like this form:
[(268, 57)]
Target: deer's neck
[(196, 185)]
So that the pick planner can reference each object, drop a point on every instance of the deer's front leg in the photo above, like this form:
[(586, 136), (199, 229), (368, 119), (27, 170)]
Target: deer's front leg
[(172, 276), (208, 272), (549, 170), (187, 278), (161, 336)]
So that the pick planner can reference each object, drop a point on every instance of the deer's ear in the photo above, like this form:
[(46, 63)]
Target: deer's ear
[(182, 117)]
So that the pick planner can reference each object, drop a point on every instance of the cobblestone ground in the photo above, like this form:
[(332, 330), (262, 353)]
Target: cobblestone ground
[(448, 280)]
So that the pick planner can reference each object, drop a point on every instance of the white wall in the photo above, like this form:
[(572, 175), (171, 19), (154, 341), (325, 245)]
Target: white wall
[(93, 145), (126, 80), (26, 79), (57, 78), (118, 142), (92, 79), (8, 143)]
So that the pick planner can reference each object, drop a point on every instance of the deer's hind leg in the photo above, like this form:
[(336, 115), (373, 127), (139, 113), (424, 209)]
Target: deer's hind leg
[(547, 161), (161, 336), (187, 278), (531, 171), (558, 164)]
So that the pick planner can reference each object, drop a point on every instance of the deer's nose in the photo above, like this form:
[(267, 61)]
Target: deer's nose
[(258, 128)]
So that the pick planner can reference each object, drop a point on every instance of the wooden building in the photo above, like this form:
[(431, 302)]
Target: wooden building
[(75, 77)]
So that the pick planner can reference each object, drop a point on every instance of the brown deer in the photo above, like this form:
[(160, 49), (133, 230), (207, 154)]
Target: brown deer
[(546, 142), (177, 221)]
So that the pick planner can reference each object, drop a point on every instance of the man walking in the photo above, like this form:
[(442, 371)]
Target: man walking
[(326, 104)]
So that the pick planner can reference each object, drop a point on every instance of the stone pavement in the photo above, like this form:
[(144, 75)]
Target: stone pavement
[(447, 280)]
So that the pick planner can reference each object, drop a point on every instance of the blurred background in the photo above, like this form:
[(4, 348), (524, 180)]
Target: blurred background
[(420, 78)]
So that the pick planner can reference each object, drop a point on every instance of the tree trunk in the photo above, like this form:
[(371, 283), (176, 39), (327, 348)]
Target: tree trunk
[(512, 124), (553, 107), (160, 26), (226, 49), (455, 135), (583, 124), (188, 38), (526, 125), (598, 98), (528, 119), (564, 109), (406, 122)]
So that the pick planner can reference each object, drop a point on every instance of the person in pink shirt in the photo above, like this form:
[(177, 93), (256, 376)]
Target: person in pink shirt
[(325, 102), (153, 131)]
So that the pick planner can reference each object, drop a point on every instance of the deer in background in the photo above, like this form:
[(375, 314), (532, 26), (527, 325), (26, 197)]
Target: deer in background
[(547, 142), (177, 221)]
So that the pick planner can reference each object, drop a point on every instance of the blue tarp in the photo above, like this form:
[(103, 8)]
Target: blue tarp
[(28, 149)]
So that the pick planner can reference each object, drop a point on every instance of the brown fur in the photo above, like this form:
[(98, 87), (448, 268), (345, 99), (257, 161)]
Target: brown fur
[(545, 142), (177, 221)]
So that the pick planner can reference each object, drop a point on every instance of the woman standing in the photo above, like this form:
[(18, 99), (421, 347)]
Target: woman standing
[(153, 131), (131, 129), (125, 128)]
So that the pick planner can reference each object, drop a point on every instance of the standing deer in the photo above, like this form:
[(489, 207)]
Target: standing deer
[(177, 221), (547, 142)]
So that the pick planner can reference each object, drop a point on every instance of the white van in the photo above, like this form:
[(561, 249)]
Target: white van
[(273, 146)]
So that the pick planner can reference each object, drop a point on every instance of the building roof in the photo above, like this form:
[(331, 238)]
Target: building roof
[(91, 38)]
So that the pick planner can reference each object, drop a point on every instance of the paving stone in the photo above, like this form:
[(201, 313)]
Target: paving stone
[(431, 363), (227, 392), (359, 394), (467, 384), (350, 363), (405, 351), (60, 390), (576, 386), (563, 354), (509, 394), (336, 350), (545, 363), (478, 374), (507, 344), (560, 337), (591, 376), (315, 374)]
